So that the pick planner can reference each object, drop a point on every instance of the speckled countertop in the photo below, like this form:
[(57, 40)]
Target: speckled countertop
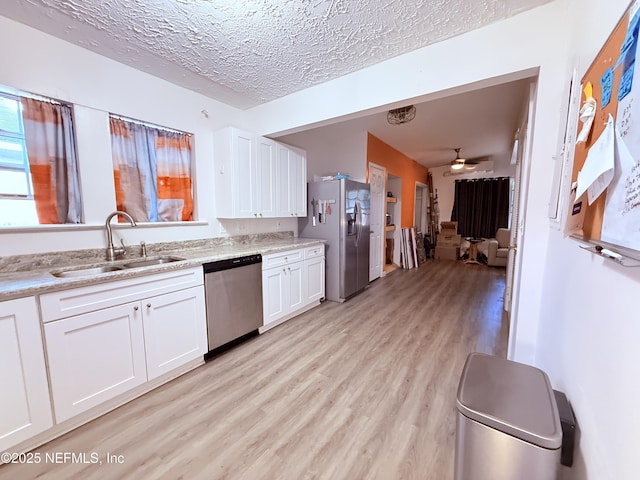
[(27, 275)]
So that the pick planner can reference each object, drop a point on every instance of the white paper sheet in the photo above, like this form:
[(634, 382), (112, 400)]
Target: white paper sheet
[(597, 171), (621, 220)]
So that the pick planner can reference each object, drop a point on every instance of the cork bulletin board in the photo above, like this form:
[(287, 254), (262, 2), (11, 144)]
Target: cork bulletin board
[(613, 81)]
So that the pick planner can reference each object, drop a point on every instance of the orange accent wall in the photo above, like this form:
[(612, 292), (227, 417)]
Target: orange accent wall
[(398, 164)]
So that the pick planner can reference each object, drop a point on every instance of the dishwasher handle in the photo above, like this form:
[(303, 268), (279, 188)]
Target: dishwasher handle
[(229, 263)]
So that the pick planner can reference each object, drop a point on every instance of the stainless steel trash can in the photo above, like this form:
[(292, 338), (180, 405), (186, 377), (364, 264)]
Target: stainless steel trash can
[(507, 425)]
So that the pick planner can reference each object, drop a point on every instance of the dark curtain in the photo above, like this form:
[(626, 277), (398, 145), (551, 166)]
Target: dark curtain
[(481, 206)]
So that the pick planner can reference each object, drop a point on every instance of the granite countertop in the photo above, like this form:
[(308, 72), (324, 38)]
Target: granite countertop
[(25, 281)]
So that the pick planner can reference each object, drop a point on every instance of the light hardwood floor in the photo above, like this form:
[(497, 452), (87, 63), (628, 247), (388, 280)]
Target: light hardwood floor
[(360, 390)]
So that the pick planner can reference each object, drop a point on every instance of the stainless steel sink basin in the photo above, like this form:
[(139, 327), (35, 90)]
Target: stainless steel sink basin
[(151, 261), (90, 271), (84, 272)]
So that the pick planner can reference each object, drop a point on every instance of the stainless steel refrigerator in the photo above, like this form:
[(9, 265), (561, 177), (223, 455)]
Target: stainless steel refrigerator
[(339, 214)]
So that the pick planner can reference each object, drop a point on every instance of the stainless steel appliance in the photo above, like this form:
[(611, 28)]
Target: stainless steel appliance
[(233, 295), (339, 214)]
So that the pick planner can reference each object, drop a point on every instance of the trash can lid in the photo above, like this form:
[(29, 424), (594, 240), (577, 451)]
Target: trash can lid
[(511, 397)]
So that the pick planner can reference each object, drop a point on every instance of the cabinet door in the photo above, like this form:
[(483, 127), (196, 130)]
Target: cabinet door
[(175, 330), (266, 177), (94, 357), (298, 182), (284, 196), (295, 287), (273, 294), (314, 275), (244, 181), (24, 396)]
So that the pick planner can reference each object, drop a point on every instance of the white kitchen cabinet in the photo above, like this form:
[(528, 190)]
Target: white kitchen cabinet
[(291, 181), (266, 177), (236, 173), (96, 352), (94, 357), (24, 396), (314, 268), (292, 283), (256, 177), (174, 330)]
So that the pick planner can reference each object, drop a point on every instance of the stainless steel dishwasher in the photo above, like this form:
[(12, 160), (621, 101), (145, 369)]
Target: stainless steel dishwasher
[(233, 294)]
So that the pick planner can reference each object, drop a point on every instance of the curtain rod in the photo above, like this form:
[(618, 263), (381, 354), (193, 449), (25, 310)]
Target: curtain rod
[(147, 124)]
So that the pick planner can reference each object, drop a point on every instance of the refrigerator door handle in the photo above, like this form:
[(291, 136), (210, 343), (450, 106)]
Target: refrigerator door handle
[(358, 219)]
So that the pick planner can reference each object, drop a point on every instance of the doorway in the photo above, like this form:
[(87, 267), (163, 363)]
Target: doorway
[(377, 176)]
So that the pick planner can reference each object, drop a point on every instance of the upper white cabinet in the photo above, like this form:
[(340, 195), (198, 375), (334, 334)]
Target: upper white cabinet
[(291, 181), (24, 396), (256, 177), (235, 157), (266, 179)]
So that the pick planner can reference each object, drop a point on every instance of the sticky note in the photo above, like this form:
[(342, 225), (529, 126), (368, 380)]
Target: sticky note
[(588, 90)]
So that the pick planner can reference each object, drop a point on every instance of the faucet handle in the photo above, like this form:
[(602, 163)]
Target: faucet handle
[(124, 248), (143, 248)]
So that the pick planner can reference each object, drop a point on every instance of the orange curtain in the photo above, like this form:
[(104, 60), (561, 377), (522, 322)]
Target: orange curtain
[(50, 141), (152, 172), (173, 155)]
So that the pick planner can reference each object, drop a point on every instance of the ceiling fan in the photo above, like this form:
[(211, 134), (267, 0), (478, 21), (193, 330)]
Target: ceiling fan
[(459, 163)]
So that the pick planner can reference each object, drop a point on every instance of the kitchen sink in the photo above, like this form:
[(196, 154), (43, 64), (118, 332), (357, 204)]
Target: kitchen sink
[(97, 270), (83, 272), (151, 261)]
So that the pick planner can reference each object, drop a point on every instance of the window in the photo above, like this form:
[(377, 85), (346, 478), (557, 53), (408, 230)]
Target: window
[(16, 190), (152, 171), (39, 181)]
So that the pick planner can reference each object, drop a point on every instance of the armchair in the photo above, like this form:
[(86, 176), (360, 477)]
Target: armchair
[(499, 248)]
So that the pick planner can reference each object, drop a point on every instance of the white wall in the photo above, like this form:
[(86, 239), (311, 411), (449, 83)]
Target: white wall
[(589, 330), (39, 63)]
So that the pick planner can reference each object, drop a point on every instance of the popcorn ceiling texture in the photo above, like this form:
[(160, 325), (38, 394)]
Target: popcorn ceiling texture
[(247, 52)]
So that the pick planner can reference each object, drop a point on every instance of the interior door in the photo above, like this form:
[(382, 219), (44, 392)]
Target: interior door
[(377, 175)]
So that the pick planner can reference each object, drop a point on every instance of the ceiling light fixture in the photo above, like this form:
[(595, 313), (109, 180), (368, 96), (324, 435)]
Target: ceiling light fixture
[(457, 163), (401, 115)]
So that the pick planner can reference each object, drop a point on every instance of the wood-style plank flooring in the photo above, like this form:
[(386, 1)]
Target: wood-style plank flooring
[(360, 390)]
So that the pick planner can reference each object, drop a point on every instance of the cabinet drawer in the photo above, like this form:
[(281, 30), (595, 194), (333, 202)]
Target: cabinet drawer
[(312, 252), (75, 301), (282, 258)]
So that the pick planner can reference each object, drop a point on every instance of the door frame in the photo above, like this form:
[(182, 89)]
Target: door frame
[(514, 265), (381, 218), (423, 208)]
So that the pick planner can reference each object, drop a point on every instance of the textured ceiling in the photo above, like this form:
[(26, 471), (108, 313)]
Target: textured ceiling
[(247, 52)]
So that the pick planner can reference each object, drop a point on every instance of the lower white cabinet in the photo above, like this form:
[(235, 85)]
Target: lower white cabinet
[(314, 276), (94, 357), (24, 397), (174, 330), (292, 282), (97, 355)]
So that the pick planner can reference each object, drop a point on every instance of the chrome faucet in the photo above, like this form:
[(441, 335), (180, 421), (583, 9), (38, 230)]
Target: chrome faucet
[(113, 252)]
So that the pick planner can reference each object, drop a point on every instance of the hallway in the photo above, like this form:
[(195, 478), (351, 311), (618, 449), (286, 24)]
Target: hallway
[(360, 390)]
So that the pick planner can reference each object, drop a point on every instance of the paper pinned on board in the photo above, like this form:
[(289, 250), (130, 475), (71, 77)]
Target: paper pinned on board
[(621, 219), (598, 169), (587, 113)]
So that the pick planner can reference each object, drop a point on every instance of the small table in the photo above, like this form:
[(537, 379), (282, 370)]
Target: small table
[(473, 251)]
